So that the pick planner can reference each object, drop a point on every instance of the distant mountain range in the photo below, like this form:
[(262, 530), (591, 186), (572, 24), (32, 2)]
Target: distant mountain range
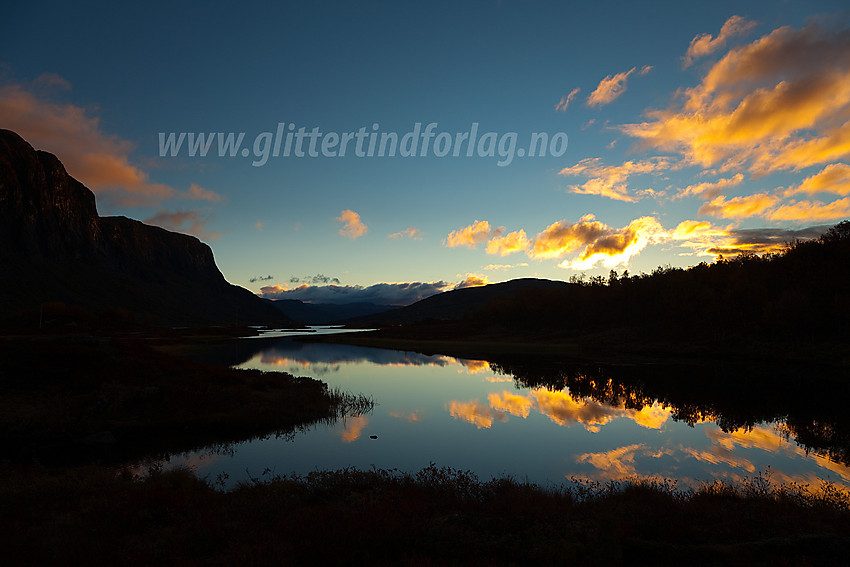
[(456, 304), (791, 304), (56, 249), (327, 313)]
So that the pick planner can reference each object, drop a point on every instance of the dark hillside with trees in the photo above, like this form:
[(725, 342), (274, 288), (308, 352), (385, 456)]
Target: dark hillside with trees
[(799, 295), (796, 303)]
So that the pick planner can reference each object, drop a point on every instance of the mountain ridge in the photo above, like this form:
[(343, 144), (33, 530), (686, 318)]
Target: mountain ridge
[(56, 248)]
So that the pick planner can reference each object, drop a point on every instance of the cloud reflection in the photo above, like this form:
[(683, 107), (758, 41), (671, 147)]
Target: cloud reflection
[(559, 406)]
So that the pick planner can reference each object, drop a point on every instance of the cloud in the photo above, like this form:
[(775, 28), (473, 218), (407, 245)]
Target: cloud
[(183, 221), (473, 235), (317, 279), (562, 408), (565, 100), (834, 178), (352, 226), (611, 181), (739, 207), (412, 417), (618, 246), (709, 190), (199, 193), (612, 86), (472, 280), (98, 160), (352, 428), (258, 225), (508, 402), (504, 266), (707, 240), (561, 237), (476, 413), (705, 44), (409, 232), (508, 244), (781, 102), (812, 211), (600, 242), (618, 463), (379, 293), (256, 279)]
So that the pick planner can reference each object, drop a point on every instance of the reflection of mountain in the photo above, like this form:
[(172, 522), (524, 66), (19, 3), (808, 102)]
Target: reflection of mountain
[(326, 313), (237, 352), (54, 247)]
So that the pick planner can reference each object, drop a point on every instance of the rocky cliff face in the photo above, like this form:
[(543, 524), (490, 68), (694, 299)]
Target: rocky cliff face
[(55, 247)]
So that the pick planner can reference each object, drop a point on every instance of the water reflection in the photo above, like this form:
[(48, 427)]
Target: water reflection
[(692, 423)]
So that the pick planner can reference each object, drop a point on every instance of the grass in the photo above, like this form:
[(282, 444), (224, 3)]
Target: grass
[(437, 516), (63, 506)]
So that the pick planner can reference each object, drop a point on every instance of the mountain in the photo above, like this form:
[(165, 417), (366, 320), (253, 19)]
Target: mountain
[(795, 303), (457, 303), (55, 248), (327, 313)]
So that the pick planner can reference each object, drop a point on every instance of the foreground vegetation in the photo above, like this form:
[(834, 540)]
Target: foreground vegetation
[(75, 398), (434, 517)]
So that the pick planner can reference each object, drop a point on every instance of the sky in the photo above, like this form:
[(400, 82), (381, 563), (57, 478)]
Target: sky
[(391, 150)]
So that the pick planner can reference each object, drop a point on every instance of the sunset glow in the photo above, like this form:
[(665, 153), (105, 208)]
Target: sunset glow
[(717, 123)]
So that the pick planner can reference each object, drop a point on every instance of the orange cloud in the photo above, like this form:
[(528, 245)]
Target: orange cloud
[(739, 207), (474, 412), (472, 280), (617, 247), (812, 211), (409, 232), (781, 102), (611, 181), (565, 100), (513, 404), (705, 44), (508, 244), (618, 463), (352, 226), (650, 417), (183, 221), (709, 190), (353, 427), (473, 235), (561, 237), (199, 193), (834, 178), (412, 417), (610, 88), (565, 410), (473, 366), (98, 160)]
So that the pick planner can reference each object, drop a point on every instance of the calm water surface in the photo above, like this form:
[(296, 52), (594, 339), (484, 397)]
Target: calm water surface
[(464, 414)]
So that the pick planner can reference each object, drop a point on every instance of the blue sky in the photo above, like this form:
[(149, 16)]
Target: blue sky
[(691, 130)]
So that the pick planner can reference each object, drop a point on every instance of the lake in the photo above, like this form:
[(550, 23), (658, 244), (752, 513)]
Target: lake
[(544, 422)]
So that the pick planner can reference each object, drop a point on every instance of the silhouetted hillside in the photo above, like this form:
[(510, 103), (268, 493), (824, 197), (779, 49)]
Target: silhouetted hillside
[(56, 251), (802, 294), (797, 299), (458, 303)]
